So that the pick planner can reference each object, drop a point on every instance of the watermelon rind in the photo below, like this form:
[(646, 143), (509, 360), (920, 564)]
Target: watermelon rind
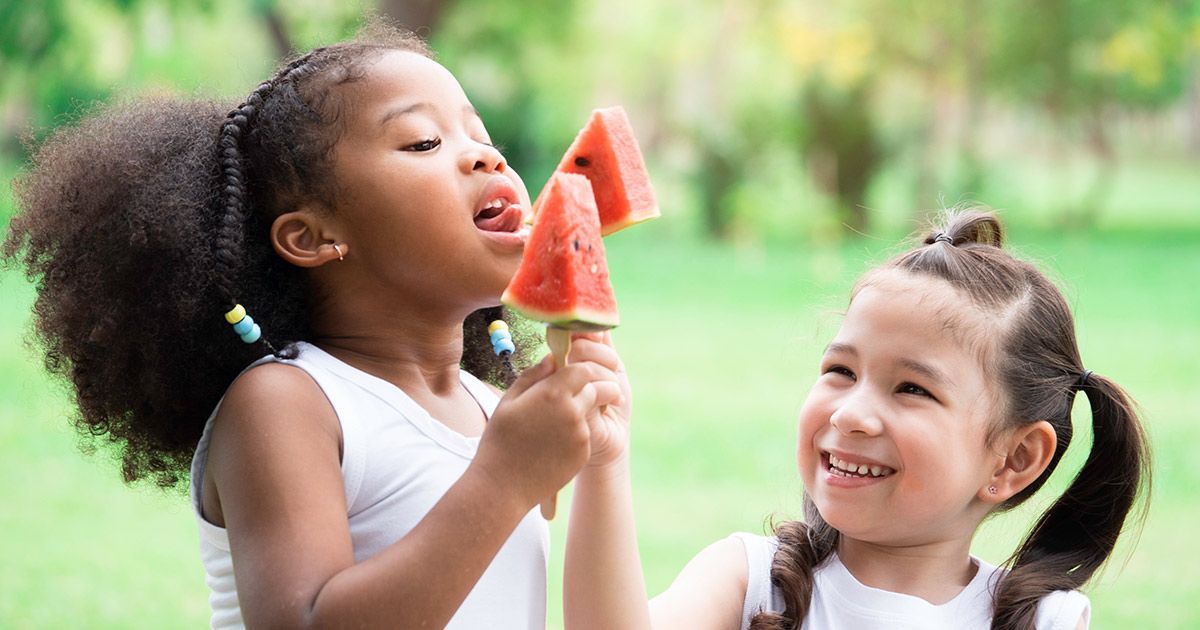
[(550, 270), (580, 320), (613, 123)]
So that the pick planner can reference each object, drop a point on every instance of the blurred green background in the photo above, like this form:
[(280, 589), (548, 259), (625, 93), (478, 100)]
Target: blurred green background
[(792, 144)]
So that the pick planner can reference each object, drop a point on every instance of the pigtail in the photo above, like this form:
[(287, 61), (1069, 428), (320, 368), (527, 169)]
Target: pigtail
[(966, 229), (1075, 536), (803, 546)]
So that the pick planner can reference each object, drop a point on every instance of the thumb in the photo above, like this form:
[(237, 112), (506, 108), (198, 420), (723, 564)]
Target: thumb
[(530, 376)]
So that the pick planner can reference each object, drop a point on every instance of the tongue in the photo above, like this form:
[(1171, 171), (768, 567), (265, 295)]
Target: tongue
[(508, 220)]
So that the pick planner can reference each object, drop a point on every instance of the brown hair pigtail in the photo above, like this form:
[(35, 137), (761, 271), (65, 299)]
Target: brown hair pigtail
[(1074, 537)]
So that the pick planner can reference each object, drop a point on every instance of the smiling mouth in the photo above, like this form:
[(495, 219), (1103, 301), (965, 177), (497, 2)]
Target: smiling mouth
[(500, 215), (843, 468)]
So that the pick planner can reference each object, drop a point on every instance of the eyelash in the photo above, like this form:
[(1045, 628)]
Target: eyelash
[(434, 142), (904, 388), (844, 371)]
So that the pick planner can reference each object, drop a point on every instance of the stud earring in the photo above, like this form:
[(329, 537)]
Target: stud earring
[(339, 252), (991, 489)]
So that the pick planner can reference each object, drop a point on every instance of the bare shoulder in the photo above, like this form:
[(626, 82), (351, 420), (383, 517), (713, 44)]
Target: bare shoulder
[(709, 592), (274, 392), (272, 417), (275, 466)]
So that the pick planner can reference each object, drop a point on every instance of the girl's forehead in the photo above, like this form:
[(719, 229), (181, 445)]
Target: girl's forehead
[(399, 81), (919, 311)]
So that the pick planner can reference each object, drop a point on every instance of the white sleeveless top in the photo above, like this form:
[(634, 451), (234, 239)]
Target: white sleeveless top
[(397, 463), (840, 601)]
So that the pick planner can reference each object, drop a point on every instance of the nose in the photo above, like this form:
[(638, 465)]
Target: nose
[(482, 157), (857, 414)]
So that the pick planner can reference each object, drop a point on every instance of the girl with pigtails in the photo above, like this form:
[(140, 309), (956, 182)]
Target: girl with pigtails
[(944, 398), (354, 226)]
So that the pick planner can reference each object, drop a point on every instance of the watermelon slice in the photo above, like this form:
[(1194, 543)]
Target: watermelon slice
[(608, 154), (563, 277)]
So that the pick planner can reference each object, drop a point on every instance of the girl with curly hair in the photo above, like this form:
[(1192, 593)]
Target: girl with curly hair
[(944, 398), (353, 223)]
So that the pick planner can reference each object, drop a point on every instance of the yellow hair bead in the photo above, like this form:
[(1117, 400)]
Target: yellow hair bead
[(497, 325), (236, 315)]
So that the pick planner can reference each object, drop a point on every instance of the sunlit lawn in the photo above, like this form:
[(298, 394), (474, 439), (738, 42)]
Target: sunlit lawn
[(721, 344)]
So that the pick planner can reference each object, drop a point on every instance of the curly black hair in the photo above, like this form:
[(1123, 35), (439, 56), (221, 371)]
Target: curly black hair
[(142, 223)]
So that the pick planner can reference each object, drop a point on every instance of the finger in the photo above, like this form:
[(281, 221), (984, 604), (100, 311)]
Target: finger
[(532, 375), (607, 393), (596, 351), (575, 375), (585, 398)]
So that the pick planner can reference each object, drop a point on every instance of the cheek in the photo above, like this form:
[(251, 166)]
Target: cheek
[(814, 415)]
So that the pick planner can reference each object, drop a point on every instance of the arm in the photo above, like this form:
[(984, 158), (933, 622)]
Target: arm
[(708, 593), (275, 463), (603, 585)]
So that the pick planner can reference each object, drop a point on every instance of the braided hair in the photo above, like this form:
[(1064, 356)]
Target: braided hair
[(146, 220)]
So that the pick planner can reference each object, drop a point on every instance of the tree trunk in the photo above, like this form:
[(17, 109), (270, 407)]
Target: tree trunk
[(280, 36), (420, 16), (1102, 149), (972, 176), (1193, 108)]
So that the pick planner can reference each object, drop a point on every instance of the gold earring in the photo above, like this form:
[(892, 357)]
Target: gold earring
[(339, 251)]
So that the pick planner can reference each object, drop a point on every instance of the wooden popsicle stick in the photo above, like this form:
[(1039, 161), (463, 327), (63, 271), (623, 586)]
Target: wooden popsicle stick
[(559, 340)]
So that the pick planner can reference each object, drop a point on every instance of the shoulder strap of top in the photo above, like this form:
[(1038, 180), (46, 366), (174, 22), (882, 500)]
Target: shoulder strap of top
[(760, 554), (1061, 610)]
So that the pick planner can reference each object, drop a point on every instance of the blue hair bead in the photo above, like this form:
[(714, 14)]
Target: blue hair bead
[(504, 345), (244, 326), (500, 334), (254, 334)]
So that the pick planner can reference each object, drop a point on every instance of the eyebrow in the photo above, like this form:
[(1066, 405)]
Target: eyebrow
[(924, 369), (422, 106)]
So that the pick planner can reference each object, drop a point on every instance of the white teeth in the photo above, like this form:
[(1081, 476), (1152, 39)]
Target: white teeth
[(842, 465)]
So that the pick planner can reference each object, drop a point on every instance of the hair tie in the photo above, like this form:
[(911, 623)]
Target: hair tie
[(942, 237), (1083, 379)]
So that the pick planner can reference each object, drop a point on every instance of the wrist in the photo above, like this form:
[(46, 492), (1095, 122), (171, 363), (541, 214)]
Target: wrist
[(489, 478), (616, 467)]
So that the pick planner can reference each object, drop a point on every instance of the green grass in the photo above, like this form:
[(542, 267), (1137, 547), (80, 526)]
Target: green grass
[(721, 344)]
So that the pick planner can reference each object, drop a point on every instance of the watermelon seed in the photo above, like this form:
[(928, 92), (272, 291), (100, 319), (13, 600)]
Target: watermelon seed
[(576, 244), (581, 161)]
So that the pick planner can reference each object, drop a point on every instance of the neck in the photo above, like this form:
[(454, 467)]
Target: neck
[(935, 572), (416, 351)]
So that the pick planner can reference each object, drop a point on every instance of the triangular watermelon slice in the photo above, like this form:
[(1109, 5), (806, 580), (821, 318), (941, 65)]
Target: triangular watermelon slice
[(563, 277), (608, 154)]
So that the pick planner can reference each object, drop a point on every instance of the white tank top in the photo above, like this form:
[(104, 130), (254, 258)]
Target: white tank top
[(397, 463), (841, 601)]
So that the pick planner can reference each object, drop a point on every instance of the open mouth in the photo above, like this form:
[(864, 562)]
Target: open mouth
[(861, 470), (499, 215)]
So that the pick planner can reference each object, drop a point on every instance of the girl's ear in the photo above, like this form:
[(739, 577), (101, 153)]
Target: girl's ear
[(1027, 452), (306, 239)]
